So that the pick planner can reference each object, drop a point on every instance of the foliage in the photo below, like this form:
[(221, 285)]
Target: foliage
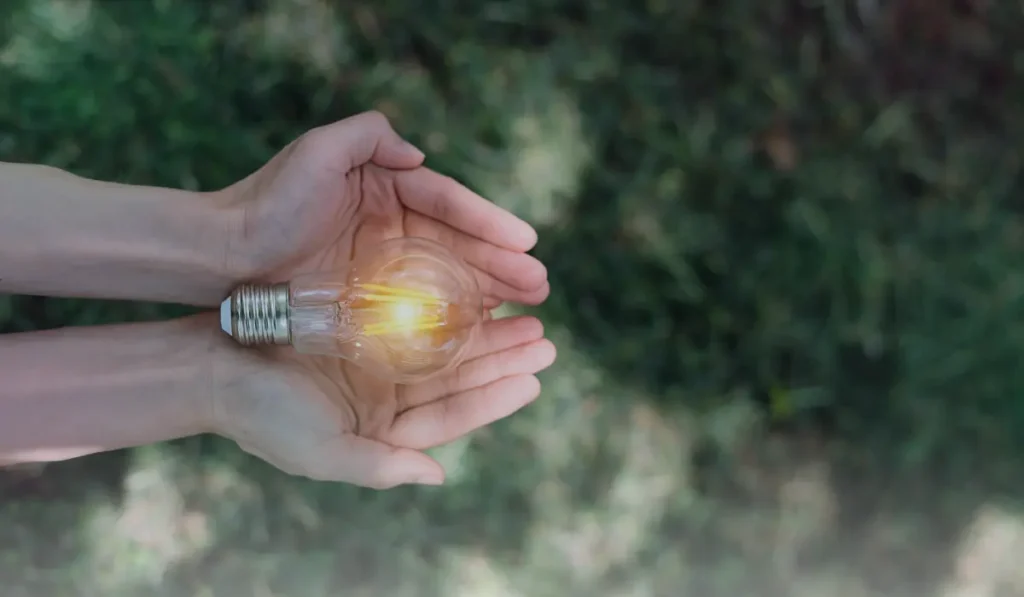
[(804, 206)]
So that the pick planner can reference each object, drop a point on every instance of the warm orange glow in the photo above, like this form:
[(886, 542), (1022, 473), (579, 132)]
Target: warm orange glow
[(400, 310)]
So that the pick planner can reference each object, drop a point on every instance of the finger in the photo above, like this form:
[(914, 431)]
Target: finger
[(359, 139), (501, 292), (450, 418), (502, 274), (445, 200), (529, 358), (491, 302), (376, 465), (504, 333), (495, 337), (517, 270)]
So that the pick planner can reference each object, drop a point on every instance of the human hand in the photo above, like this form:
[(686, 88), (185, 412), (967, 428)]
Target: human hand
[(330, 195), (346, 186)]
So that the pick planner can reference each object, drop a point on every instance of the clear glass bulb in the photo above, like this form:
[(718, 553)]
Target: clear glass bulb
[(403, 310)]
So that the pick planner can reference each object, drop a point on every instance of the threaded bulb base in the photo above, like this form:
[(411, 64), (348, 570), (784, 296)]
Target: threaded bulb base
[(257, 315)]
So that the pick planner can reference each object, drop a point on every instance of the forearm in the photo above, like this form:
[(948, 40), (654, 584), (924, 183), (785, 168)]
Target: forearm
[(77, 391), (63, 235)]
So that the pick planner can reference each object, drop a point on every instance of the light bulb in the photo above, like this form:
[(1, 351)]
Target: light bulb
[(403, 310)]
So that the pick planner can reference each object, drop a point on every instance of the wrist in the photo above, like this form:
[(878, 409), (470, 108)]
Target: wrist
[(220, 366), (222, 237), (234, 248)]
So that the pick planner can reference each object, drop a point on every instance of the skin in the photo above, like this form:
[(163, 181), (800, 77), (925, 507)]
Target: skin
[(332, 193)]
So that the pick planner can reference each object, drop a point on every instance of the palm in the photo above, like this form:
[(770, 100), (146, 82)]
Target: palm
[(345, 225), (343, 215)]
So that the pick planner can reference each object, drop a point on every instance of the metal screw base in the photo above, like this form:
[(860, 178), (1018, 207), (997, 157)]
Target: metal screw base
[(257, 314)]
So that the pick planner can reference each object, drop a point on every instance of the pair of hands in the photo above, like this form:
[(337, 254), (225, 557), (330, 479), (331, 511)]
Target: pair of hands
[(335, 191)]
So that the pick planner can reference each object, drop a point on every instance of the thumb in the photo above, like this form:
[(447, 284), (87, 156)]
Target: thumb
[(363, 138), (377, 465)]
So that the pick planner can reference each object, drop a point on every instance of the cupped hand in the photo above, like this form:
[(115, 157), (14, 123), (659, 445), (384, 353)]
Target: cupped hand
[(333, 193)]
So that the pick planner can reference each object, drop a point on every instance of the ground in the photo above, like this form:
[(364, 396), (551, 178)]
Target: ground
[(786, 291)]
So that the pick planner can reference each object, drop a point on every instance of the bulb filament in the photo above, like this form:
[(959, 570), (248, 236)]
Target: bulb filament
[(394, 310)]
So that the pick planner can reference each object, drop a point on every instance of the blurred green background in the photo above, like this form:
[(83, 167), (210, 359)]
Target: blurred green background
[(787, 289)]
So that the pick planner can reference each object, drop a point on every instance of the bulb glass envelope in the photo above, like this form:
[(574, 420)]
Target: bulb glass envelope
[(405, 310)]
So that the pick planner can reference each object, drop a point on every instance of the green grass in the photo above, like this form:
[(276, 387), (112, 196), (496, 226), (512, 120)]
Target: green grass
[(787, 290)]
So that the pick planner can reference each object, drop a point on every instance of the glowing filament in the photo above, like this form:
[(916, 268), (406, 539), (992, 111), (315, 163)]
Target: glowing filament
[(401, 310)]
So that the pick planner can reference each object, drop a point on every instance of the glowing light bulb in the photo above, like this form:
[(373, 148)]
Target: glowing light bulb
[(403, 310)]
